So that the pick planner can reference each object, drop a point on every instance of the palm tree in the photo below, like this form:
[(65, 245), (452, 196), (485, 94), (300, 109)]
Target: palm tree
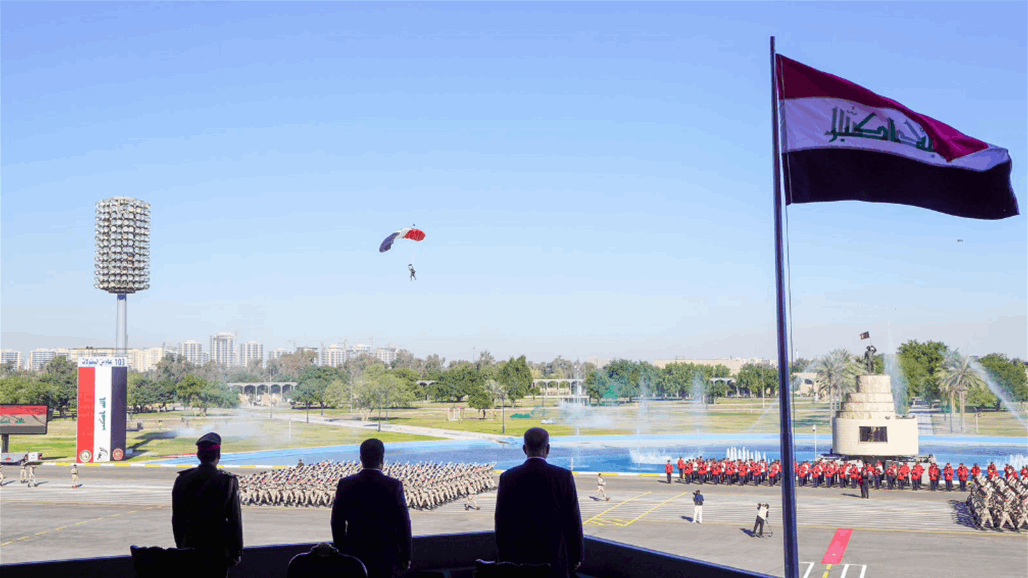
[(958, 375), (838, 370)]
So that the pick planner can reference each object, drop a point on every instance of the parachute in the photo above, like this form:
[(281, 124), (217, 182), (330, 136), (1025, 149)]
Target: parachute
[(408, 233)]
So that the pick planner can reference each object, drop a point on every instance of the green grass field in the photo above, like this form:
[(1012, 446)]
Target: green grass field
[(243, 434), (248, 430), (661, 417), (991, 423)]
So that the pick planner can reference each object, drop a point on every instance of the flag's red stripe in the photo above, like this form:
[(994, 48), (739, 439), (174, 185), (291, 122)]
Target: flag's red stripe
[(837, 548), (415, 235), (796, 80), (86, 417), (23, 410)]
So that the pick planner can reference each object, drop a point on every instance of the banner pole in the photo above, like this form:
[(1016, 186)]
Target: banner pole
[(792, 568)]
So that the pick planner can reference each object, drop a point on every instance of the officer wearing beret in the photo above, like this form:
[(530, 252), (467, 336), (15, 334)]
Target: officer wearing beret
[(205, 510)]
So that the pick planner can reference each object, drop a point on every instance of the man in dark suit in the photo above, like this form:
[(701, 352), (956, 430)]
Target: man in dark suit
[(205, 511), (537, 516), (370, 518)]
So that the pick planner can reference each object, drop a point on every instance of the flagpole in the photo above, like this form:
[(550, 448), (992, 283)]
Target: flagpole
[(792, 568)]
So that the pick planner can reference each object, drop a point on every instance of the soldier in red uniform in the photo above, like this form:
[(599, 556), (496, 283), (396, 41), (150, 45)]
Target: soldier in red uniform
[(947, 473), (962, 476), (681, 469), (1024, 473), (703, 471), (904, 476), (669, 469), (975, 471), (916, 475), (933, 476), (687, 468)]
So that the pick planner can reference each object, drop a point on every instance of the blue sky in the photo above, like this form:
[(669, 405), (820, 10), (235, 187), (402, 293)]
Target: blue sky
[(594, 178)]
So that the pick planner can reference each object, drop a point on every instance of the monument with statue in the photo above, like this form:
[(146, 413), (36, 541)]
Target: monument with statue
[(867, 425)]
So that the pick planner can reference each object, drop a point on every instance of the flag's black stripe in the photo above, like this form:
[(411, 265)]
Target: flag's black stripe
[(822, 175), (119, 401)]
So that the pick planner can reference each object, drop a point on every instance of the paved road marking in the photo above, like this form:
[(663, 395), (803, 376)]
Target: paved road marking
[(809, 568), (643, 515), (846, 568), (600, 521), (828, 569), (76, 523), (837, 547)]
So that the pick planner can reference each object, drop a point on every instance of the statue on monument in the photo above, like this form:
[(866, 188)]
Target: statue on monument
[(869, 358)]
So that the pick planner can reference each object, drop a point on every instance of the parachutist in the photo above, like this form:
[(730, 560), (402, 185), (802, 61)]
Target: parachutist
[(411, 267)]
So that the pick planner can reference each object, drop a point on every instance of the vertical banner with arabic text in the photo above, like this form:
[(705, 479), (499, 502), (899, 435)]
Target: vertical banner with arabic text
[(102, 397)]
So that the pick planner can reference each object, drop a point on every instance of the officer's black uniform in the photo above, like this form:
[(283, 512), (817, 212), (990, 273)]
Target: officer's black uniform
[(205, 511)]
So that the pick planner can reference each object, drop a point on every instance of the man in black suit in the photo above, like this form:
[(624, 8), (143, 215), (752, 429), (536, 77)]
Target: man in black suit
[(370, 518), (205, 511), (537, 516)]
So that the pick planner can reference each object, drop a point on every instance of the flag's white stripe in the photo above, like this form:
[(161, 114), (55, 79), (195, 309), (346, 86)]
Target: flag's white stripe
[(102, 414), (808, 124)]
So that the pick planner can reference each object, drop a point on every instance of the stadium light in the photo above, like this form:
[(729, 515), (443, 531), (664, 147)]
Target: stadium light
[(122, 254)]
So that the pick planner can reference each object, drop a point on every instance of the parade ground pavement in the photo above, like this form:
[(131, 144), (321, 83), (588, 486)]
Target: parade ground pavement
[(894, 534)]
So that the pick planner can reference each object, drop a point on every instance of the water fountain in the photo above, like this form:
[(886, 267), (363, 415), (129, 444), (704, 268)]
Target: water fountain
[(736, 453), (899, 383), (1018, 461), (998, 391)]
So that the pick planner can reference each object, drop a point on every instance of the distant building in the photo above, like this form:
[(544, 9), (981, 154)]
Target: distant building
[(387, 355), (279, 352), (145, 359), (223, 349), (250, 351), (598, 361), (359, 349), (192, 351), (12, 357), (806, 384), (77, 353), (38, 358), (334, 355), (313, 350), (734, 364)]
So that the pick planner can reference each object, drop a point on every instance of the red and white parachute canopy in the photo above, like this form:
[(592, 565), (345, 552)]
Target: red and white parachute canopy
[(409, 233)]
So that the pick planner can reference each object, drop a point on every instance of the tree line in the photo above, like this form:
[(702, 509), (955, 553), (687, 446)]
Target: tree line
[(929, 370)]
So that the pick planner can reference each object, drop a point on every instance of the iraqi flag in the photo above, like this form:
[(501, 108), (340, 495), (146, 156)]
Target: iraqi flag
[(842, 142)]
